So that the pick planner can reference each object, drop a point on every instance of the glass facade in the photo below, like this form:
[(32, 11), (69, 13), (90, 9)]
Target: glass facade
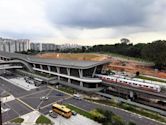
[(88, 72), (37, 66), (75, 82), (99, 69), (74, 72), (44, 67), (64, 79), (53, 69), (90, 85), (63, 70)]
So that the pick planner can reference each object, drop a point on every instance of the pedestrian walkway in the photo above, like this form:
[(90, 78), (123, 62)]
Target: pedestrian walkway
[(73, 120), (30, 118), (7, 99)]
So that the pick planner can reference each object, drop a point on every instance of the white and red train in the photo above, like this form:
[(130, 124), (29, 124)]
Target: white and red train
[(130, 83)]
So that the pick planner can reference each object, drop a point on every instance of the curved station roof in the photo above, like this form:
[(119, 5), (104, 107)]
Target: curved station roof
[(54, 62)]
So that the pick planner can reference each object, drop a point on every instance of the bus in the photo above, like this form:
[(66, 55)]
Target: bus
[(62, 110)]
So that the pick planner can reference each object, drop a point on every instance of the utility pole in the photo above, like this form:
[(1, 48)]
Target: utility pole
[(0, 114)]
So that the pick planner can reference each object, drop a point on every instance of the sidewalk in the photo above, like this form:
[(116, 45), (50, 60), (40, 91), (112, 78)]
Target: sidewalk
[(7, 99), (30, 118)]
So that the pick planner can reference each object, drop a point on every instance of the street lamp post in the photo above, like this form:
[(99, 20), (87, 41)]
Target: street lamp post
[(1, 108), (0, 114)]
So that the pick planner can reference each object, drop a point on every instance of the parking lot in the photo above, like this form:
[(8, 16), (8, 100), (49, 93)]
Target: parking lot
[(21, 82)]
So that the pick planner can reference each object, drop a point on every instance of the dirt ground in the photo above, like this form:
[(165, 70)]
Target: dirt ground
[(116, 63), (79, 56)]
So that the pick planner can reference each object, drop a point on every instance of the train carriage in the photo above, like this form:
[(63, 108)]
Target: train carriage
[(129, 82)]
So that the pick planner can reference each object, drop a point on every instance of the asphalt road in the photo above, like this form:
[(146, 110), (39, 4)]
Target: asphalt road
[(9, 115), (17, 91), (32, 99), (16, 109), (127, 116)]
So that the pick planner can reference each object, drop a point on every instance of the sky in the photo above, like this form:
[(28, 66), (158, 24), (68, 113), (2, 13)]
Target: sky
[(84, 22)]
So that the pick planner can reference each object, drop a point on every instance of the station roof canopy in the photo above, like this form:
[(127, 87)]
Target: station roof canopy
[(78, 64)]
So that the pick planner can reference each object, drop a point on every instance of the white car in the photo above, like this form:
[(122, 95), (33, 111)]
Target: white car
[(43, 98), (53, 114), (77, 96)]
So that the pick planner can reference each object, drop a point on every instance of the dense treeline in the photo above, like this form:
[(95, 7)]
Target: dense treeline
[(120, 48), (155, 51)]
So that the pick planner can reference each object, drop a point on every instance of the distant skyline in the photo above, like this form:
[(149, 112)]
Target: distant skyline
[(85, 22)]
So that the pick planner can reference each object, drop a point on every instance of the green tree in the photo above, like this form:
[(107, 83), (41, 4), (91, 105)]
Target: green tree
[(156, 52), (137, 73), (116, 120), (83, 49)]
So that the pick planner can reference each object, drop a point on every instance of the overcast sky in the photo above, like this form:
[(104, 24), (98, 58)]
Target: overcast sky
[(86, 22)]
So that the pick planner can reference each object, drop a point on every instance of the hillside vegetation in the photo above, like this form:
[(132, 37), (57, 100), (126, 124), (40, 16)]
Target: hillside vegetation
[(155, 51)]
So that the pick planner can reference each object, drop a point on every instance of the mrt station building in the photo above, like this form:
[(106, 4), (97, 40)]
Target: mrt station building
[(73, 73)]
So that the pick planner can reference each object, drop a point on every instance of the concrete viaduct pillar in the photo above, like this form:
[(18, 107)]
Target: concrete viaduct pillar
[(68, 73), (58, 71)]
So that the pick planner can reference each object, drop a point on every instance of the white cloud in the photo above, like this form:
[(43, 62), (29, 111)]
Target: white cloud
[(24, 17), (83, 21)]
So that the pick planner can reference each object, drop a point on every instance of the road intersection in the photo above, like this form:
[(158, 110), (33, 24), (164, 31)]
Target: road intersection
[(28, 101)]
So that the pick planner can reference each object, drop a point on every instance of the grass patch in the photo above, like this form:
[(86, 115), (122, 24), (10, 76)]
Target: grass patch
[(144, 112), (125, 57), (17, 120), (106, 102), (80, 111), (102, 116), (43, 120), (96, 114), (133, 109), (67, 89), (151, 79)]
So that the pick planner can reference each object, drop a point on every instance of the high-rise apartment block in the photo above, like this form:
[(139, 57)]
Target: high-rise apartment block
[(11, 45)]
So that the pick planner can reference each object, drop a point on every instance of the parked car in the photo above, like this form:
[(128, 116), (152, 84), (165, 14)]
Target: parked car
[(53, 114), (74, 113)]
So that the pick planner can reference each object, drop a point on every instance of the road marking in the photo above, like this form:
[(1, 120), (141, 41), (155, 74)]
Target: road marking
[(55, 102), (79, 107), (13, 109), (43, 100), (34, 93), (60, 91), (74, 105), (25, 104)]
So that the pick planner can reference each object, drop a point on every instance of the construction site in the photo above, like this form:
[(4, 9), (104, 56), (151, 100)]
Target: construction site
[(116, 63)]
